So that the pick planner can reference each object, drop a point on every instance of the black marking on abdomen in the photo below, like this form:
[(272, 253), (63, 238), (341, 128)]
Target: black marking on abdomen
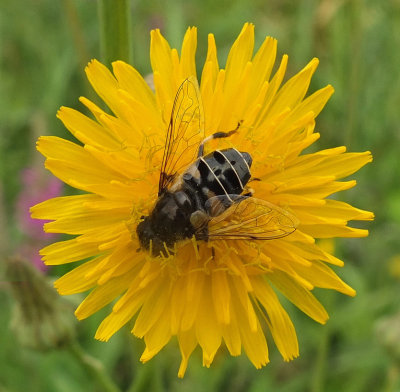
[(210, 181), (220, 173), (233, 171)]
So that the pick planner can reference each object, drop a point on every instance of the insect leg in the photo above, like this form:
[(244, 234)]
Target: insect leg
[(249, 193), (216, 135)]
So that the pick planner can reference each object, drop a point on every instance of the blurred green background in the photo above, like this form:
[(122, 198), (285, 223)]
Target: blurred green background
[(45, 45)]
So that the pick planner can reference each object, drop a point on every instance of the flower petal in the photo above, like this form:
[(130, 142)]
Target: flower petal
[(102, 295), (188, 52), (208, 330), (299, 296), (279, 323), (239, 55)]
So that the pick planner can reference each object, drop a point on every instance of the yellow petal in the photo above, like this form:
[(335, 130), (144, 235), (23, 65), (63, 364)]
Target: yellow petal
[(279, 323), (314, 103), (130, 80), (187, 343), (86, 130), (178, 303), (208, 330), (88, 221), (104, 83), (117, 319), (231, 334), (188, 52), (331, 230), (213, 107), (239, 55), (69, 161), (254, 342), (294, 90), (68, 251), (161, 62), (221, 296), (320, 275), (299, 296), (60, 207), (102, 295), (76, 281), (272, 89), (193, 292), (156, 301), (210, 69), (263, 62), (158, 336)]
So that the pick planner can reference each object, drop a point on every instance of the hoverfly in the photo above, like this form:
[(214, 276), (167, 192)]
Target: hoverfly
[(202, 196)]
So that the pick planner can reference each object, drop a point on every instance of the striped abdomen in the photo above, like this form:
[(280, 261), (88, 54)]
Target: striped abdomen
[(222, 172)]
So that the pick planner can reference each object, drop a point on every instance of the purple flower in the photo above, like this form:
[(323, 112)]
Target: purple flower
[(36, 186)]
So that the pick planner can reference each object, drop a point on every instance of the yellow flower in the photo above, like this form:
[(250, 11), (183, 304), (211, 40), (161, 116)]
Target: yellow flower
[(203, 296)]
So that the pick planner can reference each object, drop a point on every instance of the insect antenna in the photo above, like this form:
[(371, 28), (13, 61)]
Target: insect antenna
[(217, 135)]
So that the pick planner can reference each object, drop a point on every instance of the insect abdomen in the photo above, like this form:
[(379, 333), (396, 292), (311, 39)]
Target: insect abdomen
[(222, 172)]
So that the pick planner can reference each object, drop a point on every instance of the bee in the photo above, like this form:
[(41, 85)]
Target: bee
[(205, 196)]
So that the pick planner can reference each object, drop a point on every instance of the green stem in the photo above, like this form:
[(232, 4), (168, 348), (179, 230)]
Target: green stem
[(318, 379), (115, 30), (319, 372), (148, 377), (94, 367)]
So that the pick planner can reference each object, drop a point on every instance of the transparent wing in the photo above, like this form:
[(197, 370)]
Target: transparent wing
[(185, 132), (248, 218)]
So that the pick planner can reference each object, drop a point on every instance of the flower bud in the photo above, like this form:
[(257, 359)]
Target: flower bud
[(40, 319)]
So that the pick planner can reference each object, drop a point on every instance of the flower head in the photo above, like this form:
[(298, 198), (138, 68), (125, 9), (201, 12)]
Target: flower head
[(206, 292)]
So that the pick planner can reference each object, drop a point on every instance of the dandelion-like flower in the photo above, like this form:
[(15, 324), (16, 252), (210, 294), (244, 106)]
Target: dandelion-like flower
[(204, 292)]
